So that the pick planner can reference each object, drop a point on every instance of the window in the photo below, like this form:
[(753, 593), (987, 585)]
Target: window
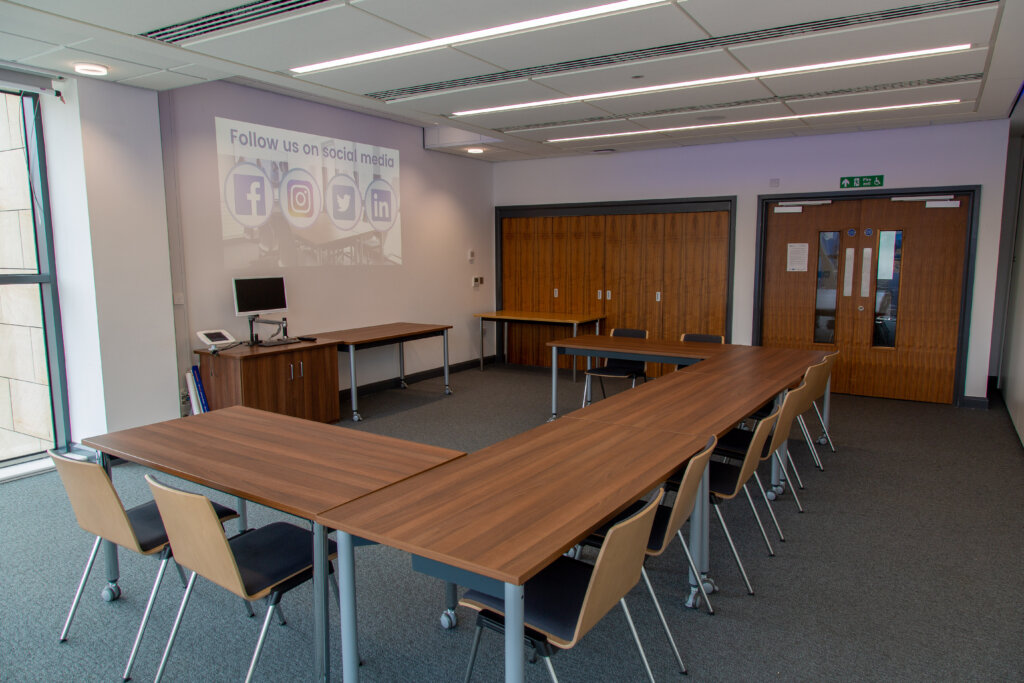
[(33, 403)]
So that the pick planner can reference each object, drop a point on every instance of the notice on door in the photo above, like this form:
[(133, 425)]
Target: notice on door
[(796, 257)]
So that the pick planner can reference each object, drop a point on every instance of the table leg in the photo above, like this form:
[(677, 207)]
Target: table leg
[(347, 589), (110, 549), (321, 634), (356, 417), (482, 343), (243, 514), (447, 382), (575, 329), (504, 346), (515, 649), (401, 365), (554, 383), (699, 547)]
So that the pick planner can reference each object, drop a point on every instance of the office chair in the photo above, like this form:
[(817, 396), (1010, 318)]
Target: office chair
[(264, 562), (99, 511), (831, 360), (726, 480), (615, 368), (566, 599)]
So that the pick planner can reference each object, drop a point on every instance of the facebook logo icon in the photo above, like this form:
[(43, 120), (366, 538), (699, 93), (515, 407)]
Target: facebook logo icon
[(250, 195), (380, 205)]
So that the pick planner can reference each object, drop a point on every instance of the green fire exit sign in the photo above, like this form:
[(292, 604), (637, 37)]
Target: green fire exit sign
[(847, 182)]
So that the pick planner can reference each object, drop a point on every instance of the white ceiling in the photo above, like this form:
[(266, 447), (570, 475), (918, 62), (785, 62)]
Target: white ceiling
[(697, 39)]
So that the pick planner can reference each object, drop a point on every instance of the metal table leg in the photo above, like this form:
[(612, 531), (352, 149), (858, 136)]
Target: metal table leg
[(575, 329), (554, 383), (321, 634), (515, 649), (447, 382), (356, 417), (110, 550), (347, 590), (401, 366), (482, 343), (243, 514), (699, 546)]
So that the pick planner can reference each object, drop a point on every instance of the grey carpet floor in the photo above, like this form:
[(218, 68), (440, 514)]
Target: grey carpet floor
[(907, 565)]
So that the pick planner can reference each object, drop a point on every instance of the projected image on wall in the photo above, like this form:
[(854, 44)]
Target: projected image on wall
[(294, 199)]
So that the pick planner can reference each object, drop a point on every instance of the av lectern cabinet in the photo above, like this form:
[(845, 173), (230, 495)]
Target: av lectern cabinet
[(297, 379)]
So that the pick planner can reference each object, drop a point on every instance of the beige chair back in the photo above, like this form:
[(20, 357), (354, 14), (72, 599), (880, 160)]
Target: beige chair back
[(96, 504), (686, 497), (816, 379), (795, 403), (197, 537), (754, 451), (617, 568)]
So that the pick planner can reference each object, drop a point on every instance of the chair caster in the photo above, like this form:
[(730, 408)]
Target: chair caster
[(709, 585), (111, 593), (449, 620), (775, 491)]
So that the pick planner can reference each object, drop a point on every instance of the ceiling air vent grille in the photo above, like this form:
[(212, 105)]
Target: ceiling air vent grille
[(683, 48), (229, 18)]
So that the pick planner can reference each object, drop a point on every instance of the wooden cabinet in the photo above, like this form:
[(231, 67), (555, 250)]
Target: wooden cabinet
[(302, 382), (667, 273)]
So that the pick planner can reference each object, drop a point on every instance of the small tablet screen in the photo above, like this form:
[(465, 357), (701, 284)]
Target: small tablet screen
[(216, 337)]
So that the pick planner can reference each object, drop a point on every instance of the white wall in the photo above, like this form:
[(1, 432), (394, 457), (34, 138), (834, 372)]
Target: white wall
[(958, 154), (446, 210), (1012, 369), (110, 241)]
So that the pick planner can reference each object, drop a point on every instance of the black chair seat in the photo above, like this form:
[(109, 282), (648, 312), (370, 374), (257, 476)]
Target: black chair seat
[(149, 528), (734, 443), (722, 478), (560, 589), (292, 556)]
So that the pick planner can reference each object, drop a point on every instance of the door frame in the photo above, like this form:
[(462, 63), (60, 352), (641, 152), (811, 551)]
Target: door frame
[(967, 289), (678, 205)]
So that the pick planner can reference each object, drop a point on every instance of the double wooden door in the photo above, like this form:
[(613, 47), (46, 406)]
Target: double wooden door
[(664, 272), (879, 279)]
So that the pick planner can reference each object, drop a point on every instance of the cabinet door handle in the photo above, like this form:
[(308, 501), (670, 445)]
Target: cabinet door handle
[(599, 294), (291, 371), (556, 292), (302, 371), (657, 296)]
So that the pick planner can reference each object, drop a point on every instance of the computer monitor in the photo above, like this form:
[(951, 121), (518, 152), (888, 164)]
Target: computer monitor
[(259, 295)]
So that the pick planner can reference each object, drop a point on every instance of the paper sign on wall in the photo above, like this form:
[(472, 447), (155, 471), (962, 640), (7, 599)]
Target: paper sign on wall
[(796, 257)]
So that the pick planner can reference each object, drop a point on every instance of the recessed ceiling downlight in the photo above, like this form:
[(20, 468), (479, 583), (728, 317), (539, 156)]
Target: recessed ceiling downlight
[(87, 69)]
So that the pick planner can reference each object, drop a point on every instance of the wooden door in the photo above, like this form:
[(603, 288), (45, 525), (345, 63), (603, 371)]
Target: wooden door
[(879, 279)]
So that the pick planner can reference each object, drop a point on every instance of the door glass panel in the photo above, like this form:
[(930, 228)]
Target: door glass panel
[(887, 286), (828, 283)]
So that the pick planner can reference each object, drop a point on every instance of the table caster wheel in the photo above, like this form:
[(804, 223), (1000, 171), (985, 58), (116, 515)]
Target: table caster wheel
[(709, 585), (447, 391), (403, 385), (694, 601), (111, 593), (449, 620), (822, 440), (770, 494), (356, 417)]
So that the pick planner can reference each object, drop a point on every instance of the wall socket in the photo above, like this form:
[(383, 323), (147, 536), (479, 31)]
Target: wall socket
[(478, 280)]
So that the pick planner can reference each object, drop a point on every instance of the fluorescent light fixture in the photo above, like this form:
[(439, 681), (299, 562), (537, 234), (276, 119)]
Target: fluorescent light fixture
[(530, 24), (795, 117), (859, 61), (475, 150), (90, 69)]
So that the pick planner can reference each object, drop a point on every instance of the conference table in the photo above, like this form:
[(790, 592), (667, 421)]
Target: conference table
[(572, 319), (507, 511), (296, 466)]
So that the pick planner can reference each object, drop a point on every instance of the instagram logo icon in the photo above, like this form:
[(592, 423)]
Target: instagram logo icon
[(300, 198)]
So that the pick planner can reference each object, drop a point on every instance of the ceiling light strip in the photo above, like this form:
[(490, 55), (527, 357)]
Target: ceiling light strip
[(494, 31), (859, 61), (774, 119)]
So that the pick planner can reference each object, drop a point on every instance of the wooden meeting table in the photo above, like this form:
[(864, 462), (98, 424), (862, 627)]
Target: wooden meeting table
[(297, 466)]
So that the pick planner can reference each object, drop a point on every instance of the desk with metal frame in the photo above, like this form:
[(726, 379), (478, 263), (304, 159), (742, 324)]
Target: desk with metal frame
[(296, 466), (573, 319)]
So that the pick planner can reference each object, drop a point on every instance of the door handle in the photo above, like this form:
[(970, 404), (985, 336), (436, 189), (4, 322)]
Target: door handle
[(865, 273)]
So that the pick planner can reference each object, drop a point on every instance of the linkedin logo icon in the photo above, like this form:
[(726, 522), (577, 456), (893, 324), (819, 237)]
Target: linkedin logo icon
[(381, 205)]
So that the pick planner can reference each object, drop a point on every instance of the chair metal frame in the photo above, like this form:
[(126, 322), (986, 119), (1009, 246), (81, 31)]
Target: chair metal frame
[(596, 372)]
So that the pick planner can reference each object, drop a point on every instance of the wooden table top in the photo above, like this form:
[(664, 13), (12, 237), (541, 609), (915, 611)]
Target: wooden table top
[(297, 466), (527, 316), (379, 333), (649, 347), (509, 510)]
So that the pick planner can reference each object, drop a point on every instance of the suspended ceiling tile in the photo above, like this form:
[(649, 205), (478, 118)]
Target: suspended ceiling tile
[(725, 18), (525, 117), (885, 98), (480, 97), (658, 25), (132, 16), (442, 18), (969, 62), (595, 128), (425, 67), (303, 39), (161, 80), (14, 48), (725, 93), (715, 116), (141, 51), (650, 72), (969, 26), (201, 71), (65, 58), (27, 23)]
